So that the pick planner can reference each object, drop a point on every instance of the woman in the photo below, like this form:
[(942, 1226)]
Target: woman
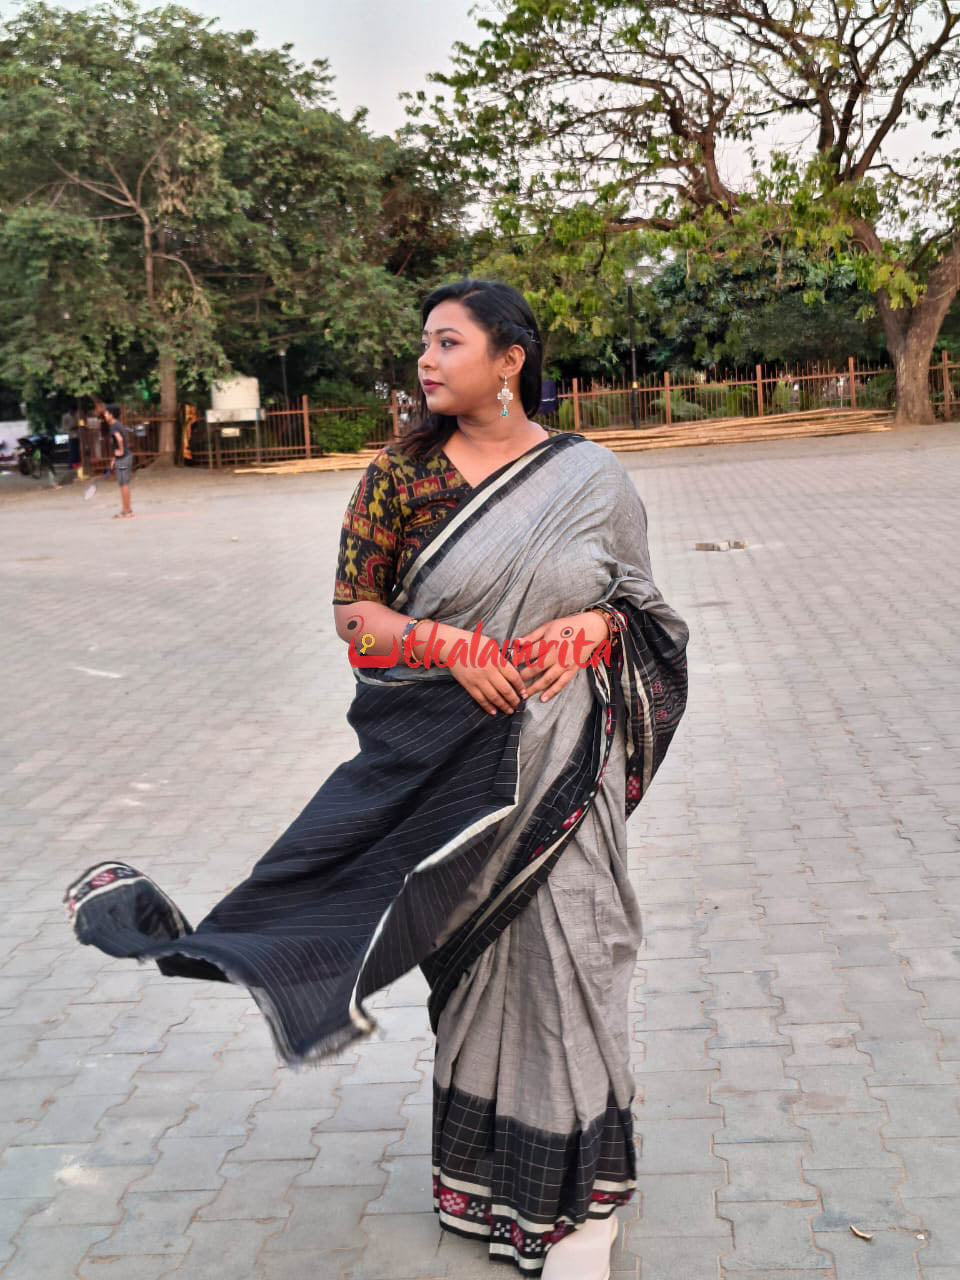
[(480, 832)]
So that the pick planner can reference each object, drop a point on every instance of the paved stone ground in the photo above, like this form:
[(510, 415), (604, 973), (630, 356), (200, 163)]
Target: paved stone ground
[(173, 692)]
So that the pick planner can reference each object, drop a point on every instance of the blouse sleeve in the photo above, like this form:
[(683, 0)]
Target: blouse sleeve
[(370, 538)]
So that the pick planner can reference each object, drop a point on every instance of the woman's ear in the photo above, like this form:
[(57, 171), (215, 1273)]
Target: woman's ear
[(513, 360)]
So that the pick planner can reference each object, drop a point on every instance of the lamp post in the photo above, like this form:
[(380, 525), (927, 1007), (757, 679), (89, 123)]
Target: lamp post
[(630, 275), (282, 353)]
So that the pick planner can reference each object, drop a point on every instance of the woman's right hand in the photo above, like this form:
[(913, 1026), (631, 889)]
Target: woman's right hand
[(496, 686)]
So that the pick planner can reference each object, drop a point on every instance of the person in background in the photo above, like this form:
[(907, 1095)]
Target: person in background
[(122, 457), (69, 426), (93, 426), (548, 397)]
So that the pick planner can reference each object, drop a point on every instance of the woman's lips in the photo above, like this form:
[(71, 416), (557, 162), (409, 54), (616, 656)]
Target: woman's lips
[(430, 386)]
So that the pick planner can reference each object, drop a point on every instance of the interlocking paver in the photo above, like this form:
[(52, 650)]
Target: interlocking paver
[(795, 1015), (890, 1255), (770, 1233), (264, 1183), (870, 1200), (51, 1252), (154, 1222), (764, 1171), (351, 1159)]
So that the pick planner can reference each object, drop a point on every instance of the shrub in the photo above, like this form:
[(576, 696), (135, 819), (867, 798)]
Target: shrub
[(706, 395), (781, 398), (336, 434), (680, 410), (878, 392), (739, 402), (339, 393), (593, 413), (816, 394)]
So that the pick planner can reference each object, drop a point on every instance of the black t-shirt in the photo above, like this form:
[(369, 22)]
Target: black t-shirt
[(118, 427)]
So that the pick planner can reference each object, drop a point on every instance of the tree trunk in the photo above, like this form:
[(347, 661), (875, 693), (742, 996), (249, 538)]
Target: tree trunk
[(910, 338), (913, 387), (168, 405), (912, 331)]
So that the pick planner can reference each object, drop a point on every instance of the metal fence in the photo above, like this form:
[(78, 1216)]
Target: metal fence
[(143, 433), (295, 430), (302, 429), (672, 400)]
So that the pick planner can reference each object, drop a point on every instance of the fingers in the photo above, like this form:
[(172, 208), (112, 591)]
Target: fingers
[(552, 681), (501, 691), (544, 678), (494, 690), (513, 678)]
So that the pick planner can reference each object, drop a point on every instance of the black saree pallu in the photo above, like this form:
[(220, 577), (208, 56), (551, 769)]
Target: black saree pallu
[(359, 888)]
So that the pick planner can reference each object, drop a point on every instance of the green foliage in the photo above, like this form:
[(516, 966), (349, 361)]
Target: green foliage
[(681, 409), (742, 316), (815, 394), (738, 402), (340, 393), (176, 199), (569, 270), (593, 413), (540, 112), (335, 433), (878, 391), (780, 400)]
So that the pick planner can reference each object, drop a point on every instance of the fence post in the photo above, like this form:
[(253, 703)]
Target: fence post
[(760, 390), (668, 407), (947, 389), (576, 404), (305, 410), (395, 412), (851, 379)]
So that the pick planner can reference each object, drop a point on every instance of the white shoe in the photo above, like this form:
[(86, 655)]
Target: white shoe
[(584, 1254)]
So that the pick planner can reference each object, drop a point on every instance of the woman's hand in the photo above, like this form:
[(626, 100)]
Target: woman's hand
[(555, 656), (496, 687)]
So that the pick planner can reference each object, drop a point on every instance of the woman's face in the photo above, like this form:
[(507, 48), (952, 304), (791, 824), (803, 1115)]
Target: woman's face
[(457, 372)]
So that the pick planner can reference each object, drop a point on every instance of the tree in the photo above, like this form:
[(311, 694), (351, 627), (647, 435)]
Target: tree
[(570, 268), (736, 316), (173, 196), (634, 103)]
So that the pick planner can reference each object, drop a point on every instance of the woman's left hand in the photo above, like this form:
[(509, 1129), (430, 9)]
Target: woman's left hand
[(555, 656)]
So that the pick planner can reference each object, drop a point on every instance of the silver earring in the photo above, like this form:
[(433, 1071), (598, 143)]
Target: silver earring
[(504, 395)]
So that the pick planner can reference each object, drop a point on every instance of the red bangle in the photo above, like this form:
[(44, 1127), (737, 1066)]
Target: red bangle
[(613, 631)]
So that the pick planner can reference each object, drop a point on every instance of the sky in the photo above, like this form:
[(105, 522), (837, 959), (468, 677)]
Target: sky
[(376, 48)]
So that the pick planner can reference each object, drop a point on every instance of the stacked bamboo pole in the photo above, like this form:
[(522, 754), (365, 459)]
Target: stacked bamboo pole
[(301, 466), (783, 426)]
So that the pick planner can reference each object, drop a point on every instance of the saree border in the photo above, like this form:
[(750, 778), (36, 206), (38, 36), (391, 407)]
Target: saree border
[(483, 1204)]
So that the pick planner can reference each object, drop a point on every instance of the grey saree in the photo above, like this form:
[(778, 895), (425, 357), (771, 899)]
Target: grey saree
[(489, 850)]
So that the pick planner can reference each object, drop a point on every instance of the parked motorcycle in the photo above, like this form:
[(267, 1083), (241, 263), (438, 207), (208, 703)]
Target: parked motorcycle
[(35, 453)]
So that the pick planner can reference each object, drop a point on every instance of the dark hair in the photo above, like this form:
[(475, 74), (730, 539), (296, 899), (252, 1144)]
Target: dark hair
[(506, 316)]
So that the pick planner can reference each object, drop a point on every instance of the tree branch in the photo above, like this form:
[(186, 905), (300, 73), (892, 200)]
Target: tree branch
[(98, 189)]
